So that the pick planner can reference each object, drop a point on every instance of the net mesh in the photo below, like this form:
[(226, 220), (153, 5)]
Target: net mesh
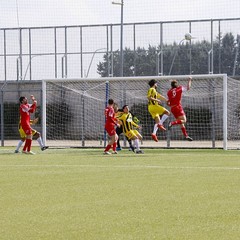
[(75, 110)]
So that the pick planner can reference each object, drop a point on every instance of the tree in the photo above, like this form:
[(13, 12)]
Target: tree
[(200, 57), (227, 52), (237, 57), (185, 58), (140, 63)]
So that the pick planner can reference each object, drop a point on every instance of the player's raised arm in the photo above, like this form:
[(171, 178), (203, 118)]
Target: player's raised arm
[(189, 83), (34, 104), (33, 99)]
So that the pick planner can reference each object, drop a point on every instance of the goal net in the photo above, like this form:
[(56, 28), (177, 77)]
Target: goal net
[(73, 111)]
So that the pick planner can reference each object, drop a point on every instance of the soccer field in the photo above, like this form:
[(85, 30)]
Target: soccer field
[(83, 194)]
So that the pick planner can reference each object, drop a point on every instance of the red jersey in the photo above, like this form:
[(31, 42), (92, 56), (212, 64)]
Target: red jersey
[(175, 95), (25, 110), (110, 116), (110, 121)]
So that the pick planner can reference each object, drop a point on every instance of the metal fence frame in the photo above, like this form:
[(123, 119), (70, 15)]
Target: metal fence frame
[(24, 71)]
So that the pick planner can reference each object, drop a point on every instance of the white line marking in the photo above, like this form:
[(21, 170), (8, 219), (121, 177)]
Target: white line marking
[(125, 166)]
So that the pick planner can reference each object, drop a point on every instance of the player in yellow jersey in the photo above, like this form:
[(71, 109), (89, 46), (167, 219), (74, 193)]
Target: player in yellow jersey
[(158, 112), (119, 131), (127, 123)]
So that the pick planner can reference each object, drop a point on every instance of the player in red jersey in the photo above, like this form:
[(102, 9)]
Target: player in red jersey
[(35, 135), (25, 110), (110, 124), (174, 101)]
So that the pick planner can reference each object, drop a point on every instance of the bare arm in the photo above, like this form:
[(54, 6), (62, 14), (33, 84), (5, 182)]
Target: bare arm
[(158, 99), (34, 105), (162, 98), (154, 99), (189, 83)]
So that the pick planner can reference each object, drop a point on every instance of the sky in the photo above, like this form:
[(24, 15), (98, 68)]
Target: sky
[(44, 13), (41, 13)]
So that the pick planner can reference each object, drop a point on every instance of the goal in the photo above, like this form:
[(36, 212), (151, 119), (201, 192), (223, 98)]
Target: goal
[(73, 111)]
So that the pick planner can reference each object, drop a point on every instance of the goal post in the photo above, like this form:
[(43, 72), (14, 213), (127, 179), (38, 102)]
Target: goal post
[(225, 106), (73, 110)]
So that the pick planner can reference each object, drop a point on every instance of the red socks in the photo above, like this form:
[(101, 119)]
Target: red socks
[(27, 146), (176, 122), (114, 146), (184, 131), (107, 148)]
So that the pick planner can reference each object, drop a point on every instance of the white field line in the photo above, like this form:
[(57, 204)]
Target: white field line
[(122, 166), (83, 152)]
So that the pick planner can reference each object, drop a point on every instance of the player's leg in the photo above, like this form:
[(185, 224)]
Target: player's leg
[(179, 116), (38, 137), (119, 131), (136, 137), (138, 150), (131, 147), (164, 117), (109, 145), (113, 140), (183, 120), (110, 132), (155, 128), (114, 145), (155, 116), (164, 113), (21, 141), (28, 142), (183, 128)]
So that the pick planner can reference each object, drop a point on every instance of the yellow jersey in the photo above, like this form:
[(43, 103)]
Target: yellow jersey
[(126, 121), (152, 92)]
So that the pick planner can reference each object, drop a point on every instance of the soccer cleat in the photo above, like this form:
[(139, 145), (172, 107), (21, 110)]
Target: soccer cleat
[(189, 138), (118, 148), (44, 148), (169, 125), (30, 152), (115, 152), (161, 127), (107, 153), (154, 137), (16, 151), (139, 152), (131, 148)]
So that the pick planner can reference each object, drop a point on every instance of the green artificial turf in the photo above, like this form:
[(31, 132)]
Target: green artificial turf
[(82, 194)]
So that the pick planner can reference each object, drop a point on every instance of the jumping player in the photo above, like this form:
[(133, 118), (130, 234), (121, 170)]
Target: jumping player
[(155, 109), (174, 101)]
